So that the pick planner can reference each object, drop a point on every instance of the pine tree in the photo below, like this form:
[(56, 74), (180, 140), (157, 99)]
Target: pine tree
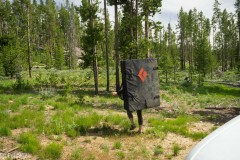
[(237, 6), (182, 24), (88, 11), (165, 61), (106, 39), (149, 8)]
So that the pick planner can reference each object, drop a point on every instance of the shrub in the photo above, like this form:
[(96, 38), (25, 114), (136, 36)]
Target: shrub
[(85, 122), (40, 81), (117, 145), (120, 155), (157, 150), (27, 118), (47, 93), (125, 124), (114, 119), (53, 79), (177, 126), (29, 143), (21, 84), (5, 131), (52, 151), (105, 147), (68, 88), (176, 149), (77, 154)]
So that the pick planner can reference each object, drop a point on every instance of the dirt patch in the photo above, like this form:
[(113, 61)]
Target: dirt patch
[(10, 150), (201, 127), (7, 144), (184, 143), (19, 131)]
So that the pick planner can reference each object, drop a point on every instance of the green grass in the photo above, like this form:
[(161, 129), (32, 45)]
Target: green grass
[(5, 131), (72, 124), (29, 143), (145, 152), (114, 119), (209, 94), (75, 111), (52, 151), (77, 154), (157, 150), (176, 149), (83, 123), (120, 154), (28, 119), (117, 145), (105, 148), (178, 125)]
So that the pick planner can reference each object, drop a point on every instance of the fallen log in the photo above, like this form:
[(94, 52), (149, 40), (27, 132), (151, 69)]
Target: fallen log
[(11, 150), (223, 108)]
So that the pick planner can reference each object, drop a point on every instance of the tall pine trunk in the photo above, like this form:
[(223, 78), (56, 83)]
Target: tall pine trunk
[(29, 52), (95, 69), (238, 60), (146, 34), (116, 47), (136, 28), (106, 36), (182, 53), (166, 76)]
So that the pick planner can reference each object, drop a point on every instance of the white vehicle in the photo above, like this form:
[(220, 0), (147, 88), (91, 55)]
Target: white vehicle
[(222, 144)]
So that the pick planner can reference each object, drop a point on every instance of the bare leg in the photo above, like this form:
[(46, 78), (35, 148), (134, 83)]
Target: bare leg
[(140, 129)]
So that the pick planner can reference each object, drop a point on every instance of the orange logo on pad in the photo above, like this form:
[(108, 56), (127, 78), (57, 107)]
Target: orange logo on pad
[(142, 74)]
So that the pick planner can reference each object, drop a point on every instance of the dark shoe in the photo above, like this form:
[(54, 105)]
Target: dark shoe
[(139, 132), (132, 127)]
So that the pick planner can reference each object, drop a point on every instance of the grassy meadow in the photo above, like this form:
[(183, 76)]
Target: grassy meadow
[(55, 115)]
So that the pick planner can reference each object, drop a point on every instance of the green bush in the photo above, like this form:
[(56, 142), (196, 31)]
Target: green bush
[(120, 155), (178, 125), (114, 119), (157, 150), (176, 149), (85, 122), (29, 143), (105, 147), (53, 79), (77, 154), (47, 93), (21, 84), (27, 118), (5, 131), (117, 145), (52, 151), (68, 88)]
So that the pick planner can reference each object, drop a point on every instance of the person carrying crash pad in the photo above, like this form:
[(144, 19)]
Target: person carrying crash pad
[(140, 87), (129, 113)]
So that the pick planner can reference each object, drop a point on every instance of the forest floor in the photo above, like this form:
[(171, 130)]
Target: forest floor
[(64, 122)]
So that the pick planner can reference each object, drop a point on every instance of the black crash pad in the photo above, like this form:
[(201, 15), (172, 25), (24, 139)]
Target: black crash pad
[(140, 84)]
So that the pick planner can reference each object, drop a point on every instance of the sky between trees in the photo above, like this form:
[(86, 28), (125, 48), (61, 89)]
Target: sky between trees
[(170, 9)]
